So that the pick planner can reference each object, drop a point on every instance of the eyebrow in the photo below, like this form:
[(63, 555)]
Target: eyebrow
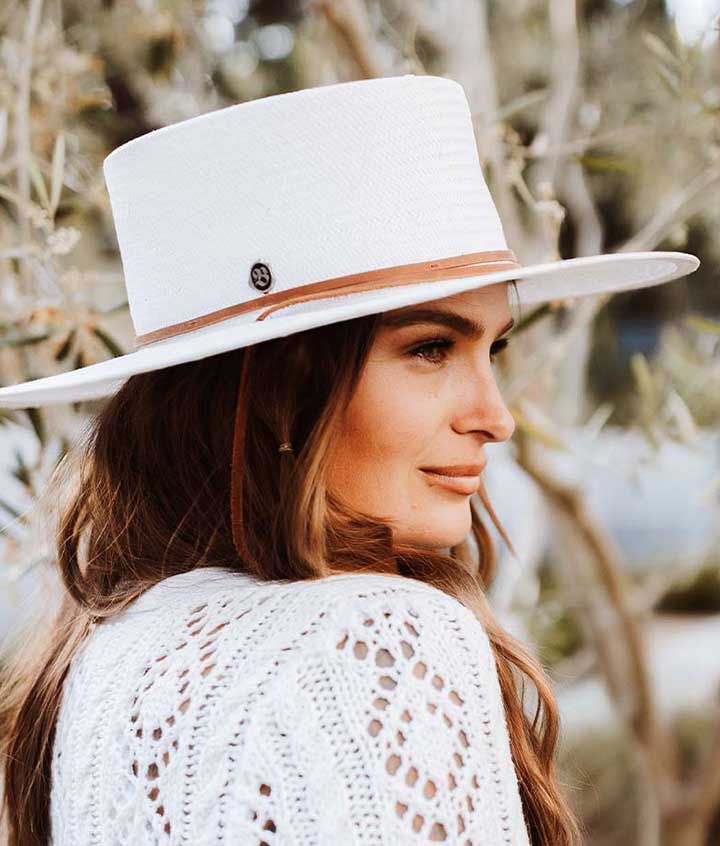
[(473, 329)]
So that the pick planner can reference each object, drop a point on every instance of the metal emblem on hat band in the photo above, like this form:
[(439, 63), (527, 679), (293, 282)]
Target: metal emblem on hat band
[(261, 277)]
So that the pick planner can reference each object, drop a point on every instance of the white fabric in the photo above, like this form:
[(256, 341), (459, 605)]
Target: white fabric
[(355, 709), (316, 184)]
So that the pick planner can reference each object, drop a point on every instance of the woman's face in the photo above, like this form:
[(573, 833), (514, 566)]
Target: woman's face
[(427, 398)]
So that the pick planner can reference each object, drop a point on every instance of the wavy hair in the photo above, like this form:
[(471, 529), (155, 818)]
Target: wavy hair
[(180, 469)]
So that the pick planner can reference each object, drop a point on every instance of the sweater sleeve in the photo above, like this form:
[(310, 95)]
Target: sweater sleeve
[(394, 729)]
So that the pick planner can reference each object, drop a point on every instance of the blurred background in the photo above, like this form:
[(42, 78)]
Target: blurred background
[(598, 127)]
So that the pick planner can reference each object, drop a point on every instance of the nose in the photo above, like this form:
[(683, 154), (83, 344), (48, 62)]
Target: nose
[(483, 410)]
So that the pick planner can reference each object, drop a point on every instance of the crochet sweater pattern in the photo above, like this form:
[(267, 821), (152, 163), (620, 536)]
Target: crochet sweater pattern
[(356, 709)]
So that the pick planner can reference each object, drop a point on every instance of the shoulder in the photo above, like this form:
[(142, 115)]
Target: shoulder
[(399, 683), (372, 630), (201, 622), (323, 605), (390, 603), (383, 591), (214, 591)]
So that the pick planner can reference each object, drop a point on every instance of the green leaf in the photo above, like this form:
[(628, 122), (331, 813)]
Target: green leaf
[(65, 446), (7, 416), (660, 49), (531, 317), (649, 433), (671, 80), (536, 428), (65, 346), (108, 341), (21, 471), (644, 379), (703, 324), (682, 417), (38, 423), (13, 512), (13, 196), (598, 419), (116, 308), (15, 340), (37, 180), (58, 169), (605, 164)]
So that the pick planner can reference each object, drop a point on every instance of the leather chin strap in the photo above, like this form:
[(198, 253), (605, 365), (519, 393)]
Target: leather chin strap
[(236, 477)]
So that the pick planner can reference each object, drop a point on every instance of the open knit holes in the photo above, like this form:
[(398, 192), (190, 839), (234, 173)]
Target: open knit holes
[(430, 690), (267, 824), (158, 741)]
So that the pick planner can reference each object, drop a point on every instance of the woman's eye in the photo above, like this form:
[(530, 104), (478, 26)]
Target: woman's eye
[(434, 351), (498, 347), (437, 350)]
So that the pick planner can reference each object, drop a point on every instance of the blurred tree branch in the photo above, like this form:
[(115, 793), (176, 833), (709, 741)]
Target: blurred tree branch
[(349, 20)]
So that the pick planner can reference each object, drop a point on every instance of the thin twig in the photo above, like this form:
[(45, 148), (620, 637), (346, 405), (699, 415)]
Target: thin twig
[(22, 130), (677, 209), (349, 19)]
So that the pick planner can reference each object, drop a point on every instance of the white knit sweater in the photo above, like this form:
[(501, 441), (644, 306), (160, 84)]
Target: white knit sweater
[(355, 709)]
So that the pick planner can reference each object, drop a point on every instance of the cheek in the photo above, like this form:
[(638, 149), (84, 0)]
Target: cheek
[(386, 431), (385, 420)]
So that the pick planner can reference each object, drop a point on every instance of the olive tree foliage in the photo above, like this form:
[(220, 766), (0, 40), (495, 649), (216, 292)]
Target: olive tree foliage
[(598, 130)]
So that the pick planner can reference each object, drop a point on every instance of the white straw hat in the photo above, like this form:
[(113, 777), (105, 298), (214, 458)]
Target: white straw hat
[(265, 218)]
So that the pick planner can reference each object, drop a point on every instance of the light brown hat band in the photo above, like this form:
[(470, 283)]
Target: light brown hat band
[(469, 264)]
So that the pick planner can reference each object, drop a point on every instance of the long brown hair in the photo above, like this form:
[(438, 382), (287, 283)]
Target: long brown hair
[(180, 470)]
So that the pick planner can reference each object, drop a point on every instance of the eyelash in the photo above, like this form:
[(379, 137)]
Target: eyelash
[(445, 344)]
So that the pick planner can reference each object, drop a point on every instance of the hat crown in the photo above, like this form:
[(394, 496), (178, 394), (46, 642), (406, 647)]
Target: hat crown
[(287, 190)]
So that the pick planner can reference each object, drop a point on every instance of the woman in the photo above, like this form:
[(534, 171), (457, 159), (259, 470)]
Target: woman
[(274, 629)]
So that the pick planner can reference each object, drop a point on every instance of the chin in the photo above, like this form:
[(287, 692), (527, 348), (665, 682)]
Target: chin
[(440, 532)]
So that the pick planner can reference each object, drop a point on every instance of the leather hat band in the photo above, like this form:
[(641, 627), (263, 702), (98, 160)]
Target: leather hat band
[(469, 264)]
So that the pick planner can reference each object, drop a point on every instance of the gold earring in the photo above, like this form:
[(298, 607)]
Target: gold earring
[(285, 446)]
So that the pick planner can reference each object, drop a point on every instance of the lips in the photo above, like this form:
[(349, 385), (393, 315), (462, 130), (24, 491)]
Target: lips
[(460, 478), (457, 469)]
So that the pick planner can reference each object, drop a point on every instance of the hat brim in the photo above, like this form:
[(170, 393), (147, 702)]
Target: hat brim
[(540, 283)]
